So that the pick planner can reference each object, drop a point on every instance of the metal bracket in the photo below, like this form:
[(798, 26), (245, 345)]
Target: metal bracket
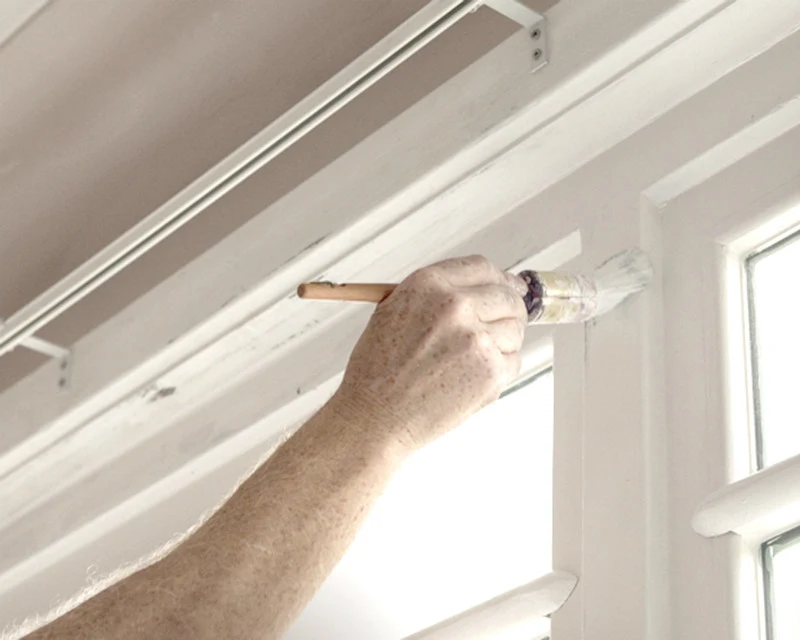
[(540, 55), (534, 23), (54, 351)]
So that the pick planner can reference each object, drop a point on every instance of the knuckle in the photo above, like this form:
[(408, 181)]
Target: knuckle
[(479, 260), (491, 271), (422, 278), (455, 307)]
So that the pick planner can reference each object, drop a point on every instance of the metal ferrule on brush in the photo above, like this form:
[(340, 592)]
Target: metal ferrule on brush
[(558, 298)]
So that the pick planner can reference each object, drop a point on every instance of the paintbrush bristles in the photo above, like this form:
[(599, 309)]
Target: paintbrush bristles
[(621, 276)]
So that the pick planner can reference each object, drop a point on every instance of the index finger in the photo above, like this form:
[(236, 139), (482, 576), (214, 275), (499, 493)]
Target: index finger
[(470, 271)]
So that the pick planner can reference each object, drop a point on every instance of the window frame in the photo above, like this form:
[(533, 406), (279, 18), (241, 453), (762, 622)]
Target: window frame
[(719, 231)]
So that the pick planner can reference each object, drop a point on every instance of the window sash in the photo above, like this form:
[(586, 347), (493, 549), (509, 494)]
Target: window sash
[(768, 550), (750, 263)]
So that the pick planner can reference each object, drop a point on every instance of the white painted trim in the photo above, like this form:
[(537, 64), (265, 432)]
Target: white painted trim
[(521, 606), (772, 494), (693, 174)]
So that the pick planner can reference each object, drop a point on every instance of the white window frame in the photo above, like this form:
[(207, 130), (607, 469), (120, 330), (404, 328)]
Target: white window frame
[(717, 225), (608, 141)]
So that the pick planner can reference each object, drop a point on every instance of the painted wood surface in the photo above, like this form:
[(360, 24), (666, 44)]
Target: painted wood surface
[(767, 499), (507, 612)]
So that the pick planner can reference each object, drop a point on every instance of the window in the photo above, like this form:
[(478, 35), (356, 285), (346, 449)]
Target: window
[(730, 242), (467, 519), (775, 347), (781, 559), (761, 507)]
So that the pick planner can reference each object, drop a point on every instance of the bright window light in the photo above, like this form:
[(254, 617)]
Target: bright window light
[(781, 558), (772, 283), (467, 519)]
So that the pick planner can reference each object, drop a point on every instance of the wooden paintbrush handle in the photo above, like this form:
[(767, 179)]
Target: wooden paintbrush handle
[(352, 292)]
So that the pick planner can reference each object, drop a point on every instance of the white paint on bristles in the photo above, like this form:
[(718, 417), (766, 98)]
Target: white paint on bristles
[(621, 276)]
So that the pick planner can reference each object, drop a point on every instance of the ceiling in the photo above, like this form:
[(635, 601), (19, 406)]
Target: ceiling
[(108, 109)]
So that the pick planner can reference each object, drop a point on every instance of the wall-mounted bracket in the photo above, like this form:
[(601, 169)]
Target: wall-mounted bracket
[(54, 351), (540, 54), (62, 354), (534, 23)]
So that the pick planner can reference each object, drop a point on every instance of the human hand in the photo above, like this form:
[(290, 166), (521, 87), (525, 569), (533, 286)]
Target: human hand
[(443, 345)]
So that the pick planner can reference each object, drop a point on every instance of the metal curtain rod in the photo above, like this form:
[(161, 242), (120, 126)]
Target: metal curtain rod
[(357, 77)]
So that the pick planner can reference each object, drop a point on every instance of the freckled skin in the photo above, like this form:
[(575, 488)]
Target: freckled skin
[(405, 345), (442, 346)]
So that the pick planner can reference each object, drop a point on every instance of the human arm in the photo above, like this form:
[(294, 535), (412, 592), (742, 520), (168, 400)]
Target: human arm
[(442, 346)]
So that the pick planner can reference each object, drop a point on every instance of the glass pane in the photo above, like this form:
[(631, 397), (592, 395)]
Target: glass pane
[(782, 571), (776, 349), (468, 518)]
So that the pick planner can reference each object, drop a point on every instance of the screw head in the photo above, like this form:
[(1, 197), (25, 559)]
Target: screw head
[(536, 34), (537, 54)]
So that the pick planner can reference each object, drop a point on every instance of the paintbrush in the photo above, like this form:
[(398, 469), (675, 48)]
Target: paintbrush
[(552, 298)]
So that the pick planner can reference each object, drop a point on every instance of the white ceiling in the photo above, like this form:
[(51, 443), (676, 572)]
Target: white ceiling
[(107, 109)]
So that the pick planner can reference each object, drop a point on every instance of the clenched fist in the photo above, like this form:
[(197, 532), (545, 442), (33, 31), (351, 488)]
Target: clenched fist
[(443, 345)]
